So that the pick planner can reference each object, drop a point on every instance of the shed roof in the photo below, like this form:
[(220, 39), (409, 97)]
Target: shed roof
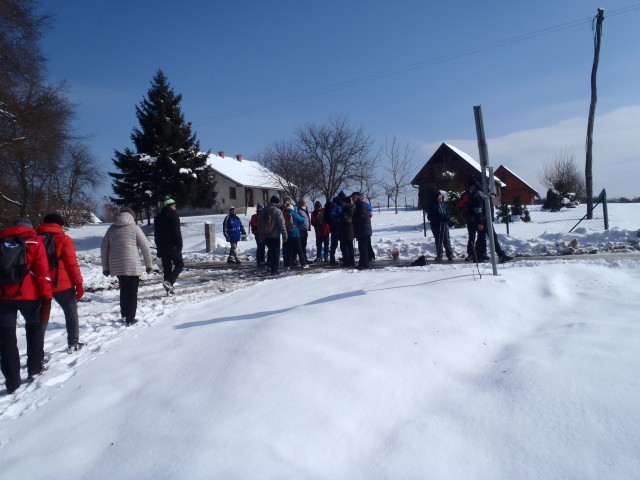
[(244, 172)]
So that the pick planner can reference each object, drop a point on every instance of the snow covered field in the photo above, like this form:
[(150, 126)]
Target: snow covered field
[(423, 372)]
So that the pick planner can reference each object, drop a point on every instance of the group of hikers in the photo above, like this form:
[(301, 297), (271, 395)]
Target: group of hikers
[(38, 265), (472, 206), (338, 222)]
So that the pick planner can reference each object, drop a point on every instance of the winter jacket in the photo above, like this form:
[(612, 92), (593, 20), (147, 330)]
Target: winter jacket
[(253, 224), (232, 228), (280, 229), (345, 229), (304, 213), (322, 227), (438, 213), (68, 272), (37, 284), (361, 220), (167, 232), (332, 211), (119, 249), (298, 223)]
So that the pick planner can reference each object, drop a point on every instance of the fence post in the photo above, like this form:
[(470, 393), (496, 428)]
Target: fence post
[(605, 210), (209, 236)]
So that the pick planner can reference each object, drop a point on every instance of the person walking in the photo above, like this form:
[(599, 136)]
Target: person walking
[(323, 230), (332, 211), (66, 278), (439, 218), (233, 231), (260, 245), (25, 287), (168, 238), (362, 229), (270, 228), (120, 257)]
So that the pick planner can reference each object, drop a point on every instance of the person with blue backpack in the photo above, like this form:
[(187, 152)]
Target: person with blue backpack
[(233, 232)]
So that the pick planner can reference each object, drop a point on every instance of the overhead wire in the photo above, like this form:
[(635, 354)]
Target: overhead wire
[(406, 68)]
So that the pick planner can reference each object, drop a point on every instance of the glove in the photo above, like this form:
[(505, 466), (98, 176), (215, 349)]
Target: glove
[(149, 269), (106, 273), (79, 291), (45, 310)]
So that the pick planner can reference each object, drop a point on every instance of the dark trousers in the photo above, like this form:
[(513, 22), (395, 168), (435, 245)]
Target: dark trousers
[(443, 240), (348, 257), (128, 296), (334, 244), (471, 231), (294, 249), (322, 247), (260, 251), (364, 244), (304, 236), (273, 253), (172, 265), (481, 243), (9, 354), (67, 301)]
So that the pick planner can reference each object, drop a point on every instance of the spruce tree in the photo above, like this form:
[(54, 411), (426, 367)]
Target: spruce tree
[(167, 160)]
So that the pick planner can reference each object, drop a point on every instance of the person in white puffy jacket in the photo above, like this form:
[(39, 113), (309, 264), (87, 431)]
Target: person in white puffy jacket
[(121, 258)]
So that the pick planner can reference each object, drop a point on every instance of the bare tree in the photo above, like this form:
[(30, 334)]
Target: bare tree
[(563, 175), (335, 155), (285, 166), (397, 163)]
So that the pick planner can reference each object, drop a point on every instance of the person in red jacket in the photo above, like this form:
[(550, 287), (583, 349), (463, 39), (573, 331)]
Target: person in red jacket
[(32, 298), (66, 279)]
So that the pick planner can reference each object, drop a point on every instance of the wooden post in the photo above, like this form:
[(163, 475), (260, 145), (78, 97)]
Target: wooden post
[(588, 174), (209, 236)]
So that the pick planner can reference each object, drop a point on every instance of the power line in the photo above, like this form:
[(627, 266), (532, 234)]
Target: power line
[(407, 68)]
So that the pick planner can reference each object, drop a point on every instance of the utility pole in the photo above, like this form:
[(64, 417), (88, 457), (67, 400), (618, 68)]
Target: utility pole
[(588, 174)]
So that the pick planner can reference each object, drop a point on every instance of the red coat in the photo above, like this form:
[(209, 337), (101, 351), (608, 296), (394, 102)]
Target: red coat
[(37, 284), (68, 270), (322, 228)]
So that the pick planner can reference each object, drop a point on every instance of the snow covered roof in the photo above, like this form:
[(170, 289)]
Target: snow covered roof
[(519, 178), (467, 158), (244, 172)]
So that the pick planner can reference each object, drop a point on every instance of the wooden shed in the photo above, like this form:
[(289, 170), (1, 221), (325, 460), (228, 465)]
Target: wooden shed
[(448, 169), (515, 187)]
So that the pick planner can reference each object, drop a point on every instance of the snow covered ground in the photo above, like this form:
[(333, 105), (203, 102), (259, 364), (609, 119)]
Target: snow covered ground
[(422, 372)]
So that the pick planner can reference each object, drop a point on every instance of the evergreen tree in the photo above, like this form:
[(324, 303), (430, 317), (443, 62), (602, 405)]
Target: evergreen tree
[(167, 160)]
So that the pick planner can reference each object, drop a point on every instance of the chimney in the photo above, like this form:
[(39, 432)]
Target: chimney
[(221, 153), (239, 157)]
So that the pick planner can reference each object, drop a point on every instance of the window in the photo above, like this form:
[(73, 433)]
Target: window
[(232, 193)]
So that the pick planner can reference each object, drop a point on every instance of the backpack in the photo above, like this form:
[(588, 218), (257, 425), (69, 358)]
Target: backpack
[(13, 262), (463, 203), (319, 217), (267, 222), (52, 255), (288, 221)]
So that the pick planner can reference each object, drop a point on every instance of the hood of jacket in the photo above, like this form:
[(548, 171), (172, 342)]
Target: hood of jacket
[(17, 232), (50, 228), (123, 219)]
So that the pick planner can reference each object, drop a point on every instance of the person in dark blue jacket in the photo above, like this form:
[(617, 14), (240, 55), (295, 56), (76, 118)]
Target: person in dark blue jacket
[(233, 232), (439, 218)]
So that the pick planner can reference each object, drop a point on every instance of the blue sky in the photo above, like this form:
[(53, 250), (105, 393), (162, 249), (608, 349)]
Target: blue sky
[(252, 72)]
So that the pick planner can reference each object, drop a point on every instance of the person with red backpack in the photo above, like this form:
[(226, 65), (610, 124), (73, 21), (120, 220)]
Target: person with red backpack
[(323, 230), (25, 287), (65, 276)]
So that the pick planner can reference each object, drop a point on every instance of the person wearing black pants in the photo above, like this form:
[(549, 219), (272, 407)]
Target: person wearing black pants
[(270, 228), (128, 296), (362, 229), (168, 239)]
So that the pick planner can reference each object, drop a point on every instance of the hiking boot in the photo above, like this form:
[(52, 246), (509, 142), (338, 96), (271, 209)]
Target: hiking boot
[(305, 266), (449, 258), (11, 390), (129, 323), (483, 258), (74, 347), (36, 373), (230, 260), (238, 261), (469, 258), (505, 258), (168, 287), (438, 260)]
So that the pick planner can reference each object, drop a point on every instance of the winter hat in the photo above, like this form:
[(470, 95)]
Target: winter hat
[(346, 200), (317, 204), (23, 222), (168, 201), (275, 200), (53, 218), (231, 208), (341, 194), (473, 181), (357, 194), (128, 210), (259, 206)]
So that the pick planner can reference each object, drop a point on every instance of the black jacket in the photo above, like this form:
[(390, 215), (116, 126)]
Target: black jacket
[(361, 220), (167, 230)]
